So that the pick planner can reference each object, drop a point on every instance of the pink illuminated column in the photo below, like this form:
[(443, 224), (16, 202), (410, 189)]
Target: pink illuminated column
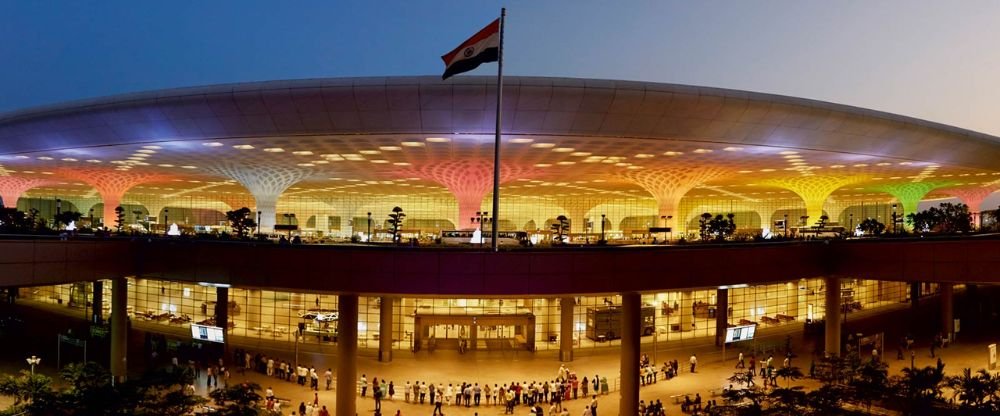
[(12, 187), (112, 185), (973, 197)]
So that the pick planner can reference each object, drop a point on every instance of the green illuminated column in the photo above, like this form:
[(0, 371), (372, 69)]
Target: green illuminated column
[(909, 195)]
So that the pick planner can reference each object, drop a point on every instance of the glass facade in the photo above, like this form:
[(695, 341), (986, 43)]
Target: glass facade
[(260, 317)]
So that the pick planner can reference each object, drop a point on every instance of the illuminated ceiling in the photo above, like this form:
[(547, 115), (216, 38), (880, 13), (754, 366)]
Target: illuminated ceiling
[(564, 139)]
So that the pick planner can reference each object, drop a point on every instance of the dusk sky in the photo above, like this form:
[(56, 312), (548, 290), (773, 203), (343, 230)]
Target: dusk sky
[(934, 60)]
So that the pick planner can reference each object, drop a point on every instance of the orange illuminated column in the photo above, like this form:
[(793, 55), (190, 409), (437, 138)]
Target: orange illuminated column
[(668, 185), (577, 210), (814, 190), (112, 185), (12, 187)]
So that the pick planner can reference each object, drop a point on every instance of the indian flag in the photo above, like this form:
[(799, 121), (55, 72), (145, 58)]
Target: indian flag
[(480, 48)]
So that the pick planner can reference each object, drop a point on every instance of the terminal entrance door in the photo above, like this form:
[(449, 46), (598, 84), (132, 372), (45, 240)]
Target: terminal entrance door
[(491, 332)]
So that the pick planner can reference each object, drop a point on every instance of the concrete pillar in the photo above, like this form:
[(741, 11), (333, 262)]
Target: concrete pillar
[(914, 294), (252, 308), (97, 304), (686, 312), (566, 305), (948, 310), (631, 325), (385, 329), (833, 305), (222, 314), (721, 315), (347, 355), (119, 329)]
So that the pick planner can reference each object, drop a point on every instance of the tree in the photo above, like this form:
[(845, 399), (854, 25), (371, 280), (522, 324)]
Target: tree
[(947, 218), (920, 387), (31, 392), (787, 400), (722, 227), (66, 217), (871, 226), (89, 390), (13, 221), (241, 221), (396, 223), (161, 392), (870, 383), (976, 392), (119, 218), (559, 229), (822, 221), (238, 399), (826, 399), (755, 396), (790, 374), (703, 231)]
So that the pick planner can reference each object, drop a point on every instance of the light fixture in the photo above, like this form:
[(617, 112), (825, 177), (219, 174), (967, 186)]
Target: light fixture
[(438, 139), (274, 150), (243, 147), (521, 140), (212, 144)]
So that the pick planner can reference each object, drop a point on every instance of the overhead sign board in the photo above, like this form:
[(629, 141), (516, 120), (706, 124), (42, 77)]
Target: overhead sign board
[(206, 333), (740, 333), (659, 229)]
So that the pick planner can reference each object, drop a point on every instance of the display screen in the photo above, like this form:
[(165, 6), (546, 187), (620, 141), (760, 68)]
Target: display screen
[(740, 333), (206, 333)]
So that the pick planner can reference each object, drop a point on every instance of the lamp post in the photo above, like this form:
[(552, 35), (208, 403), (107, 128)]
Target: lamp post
[(92, 218), (786, 225), (851, 216), (33, 361), (602, 226), (894, 218), (482, 220), (58, 206), (289, 216), (258, 221), (166, 219), (368, 237)]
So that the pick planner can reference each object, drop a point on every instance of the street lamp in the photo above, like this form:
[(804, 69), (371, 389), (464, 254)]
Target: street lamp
[(894, 218), (289, 216), (482, 220), (258, 221), (369, 235), (602, 226), (33, 361), (92, 218), (58, 206), (166, 219), (786, 225), (851, 215)]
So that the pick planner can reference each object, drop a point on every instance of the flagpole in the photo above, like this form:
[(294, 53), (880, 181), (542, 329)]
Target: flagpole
[(496, 141)]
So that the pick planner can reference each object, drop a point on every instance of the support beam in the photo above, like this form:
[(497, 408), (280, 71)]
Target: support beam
[(347, 355), (97, 311), (721, 315), (566, 306), (833, 305), (119, 329), (914, 295), (222, 314), (385, 329), (631, 320), (948, 310)]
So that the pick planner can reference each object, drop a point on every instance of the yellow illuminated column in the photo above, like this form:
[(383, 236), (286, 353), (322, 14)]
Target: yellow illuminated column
[(814, 190)]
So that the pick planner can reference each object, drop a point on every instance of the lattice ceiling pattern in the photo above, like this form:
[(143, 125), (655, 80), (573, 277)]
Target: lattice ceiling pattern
[(330, 167)]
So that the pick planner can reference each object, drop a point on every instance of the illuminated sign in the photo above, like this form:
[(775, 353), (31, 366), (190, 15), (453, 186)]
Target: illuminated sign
[(740, 333), (206, 333)]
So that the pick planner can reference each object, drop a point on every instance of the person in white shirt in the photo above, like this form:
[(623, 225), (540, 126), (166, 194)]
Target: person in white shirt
[(593, 406), (406, 392), (694, 362), (270, 367), (269, 394)]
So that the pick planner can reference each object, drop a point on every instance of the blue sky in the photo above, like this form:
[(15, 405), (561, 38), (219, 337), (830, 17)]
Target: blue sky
[(928, 59)]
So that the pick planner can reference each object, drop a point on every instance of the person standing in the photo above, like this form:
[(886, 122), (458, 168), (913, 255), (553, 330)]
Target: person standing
[(477, 393), (364, 385), (593, 406), (406, 391), (740, 363), (392, 390), (694, 362), (423, 392), (328, 375), (437, 405)]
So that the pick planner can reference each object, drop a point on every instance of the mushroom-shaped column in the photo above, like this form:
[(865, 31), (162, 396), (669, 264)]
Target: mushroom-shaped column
[(237, 201), (973, 197), (112, 184), (814, 190), (469, 180), (12, 187), (909, 194), (577, 210), (668, 185), (84, 203), (266, 184), (836, 207)]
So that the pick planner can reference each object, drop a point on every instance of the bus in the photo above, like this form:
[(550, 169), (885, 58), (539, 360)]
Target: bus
[(468, 237)]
